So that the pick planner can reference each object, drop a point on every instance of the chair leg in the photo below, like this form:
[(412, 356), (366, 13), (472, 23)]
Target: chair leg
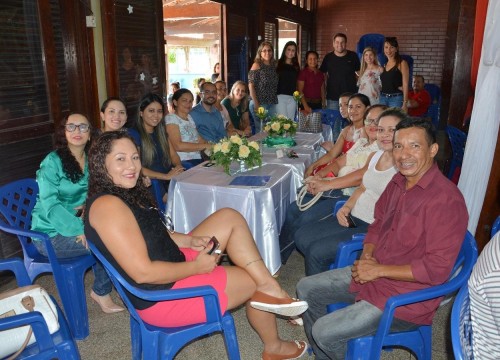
[(230, 338), (136, 339), (72, 292)]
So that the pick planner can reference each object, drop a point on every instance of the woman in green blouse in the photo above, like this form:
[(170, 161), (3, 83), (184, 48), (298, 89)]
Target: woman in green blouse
[(236, 104), (62, 181)]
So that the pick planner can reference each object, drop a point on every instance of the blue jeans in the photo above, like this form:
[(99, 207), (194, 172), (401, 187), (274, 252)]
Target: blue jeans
[(318, 241), (286, 106), (68, 247), (393, 101), (332, 104), (296, 219), (328, 334), (270, 112)]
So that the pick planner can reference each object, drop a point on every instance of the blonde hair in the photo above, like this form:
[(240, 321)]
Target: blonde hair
[(363, 63), (244, 101)]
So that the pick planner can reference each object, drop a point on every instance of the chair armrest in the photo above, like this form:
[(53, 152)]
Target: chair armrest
[(17, 231), (16, 265), (347, 251), (37, 322), (337, 206)]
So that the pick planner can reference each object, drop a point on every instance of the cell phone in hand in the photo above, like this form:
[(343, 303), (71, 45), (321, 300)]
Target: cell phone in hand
[(215, 245), (350, 221)]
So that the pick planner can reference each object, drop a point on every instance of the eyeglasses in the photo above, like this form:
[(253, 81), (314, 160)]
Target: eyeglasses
[(371, 122), (165, 220), (72, 127)]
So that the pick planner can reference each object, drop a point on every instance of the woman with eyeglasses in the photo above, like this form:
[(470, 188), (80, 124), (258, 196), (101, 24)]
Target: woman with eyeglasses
[(345, 184), (263, 82), (318, 241), (124, 225), (62, 180)]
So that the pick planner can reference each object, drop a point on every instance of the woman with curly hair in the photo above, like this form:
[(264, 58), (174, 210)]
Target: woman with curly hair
[(160, 160), (124, 225), (263, 82), (62, 180)]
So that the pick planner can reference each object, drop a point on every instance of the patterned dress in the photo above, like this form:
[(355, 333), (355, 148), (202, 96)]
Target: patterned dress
[(369, 84)]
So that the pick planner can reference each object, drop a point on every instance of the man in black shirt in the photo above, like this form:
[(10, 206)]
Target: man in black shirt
[(340, 66)]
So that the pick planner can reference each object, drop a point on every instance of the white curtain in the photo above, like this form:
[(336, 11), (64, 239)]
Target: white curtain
[(483, 131)]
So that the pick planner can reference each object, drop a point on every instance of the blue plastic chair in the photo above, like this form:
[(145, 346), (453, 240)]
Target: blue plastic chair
[(409, 60), (158, 193), (17, 200), (154, 342), (461, 326), (457, 140), (496, 226), (59, 345), (419, 341), (435, 106), (334, 119), (376, 41)]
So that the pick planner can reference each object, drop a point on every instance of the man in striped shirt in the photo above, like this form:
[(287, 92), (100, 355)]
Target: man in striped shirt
[(484, 292)]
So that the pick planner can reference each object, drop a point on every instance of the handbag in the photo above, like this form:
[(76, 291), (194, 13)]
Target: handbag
[(20, 301), (310, 123)]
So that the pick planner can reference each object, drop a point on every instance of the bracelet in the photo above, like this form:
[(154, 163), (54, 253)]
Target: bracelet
[(251, 262)]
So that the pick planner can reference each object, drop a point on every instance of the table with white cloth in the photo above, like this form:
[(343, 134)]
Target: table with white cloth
[(200, 191), (307, 148)]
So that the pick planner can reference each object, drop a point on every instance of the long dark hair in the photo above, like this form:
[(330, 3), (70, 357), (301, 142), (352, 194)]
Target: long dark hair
[(100, 182), (282, 59), (70, 165), (148, 150), (393, 41)]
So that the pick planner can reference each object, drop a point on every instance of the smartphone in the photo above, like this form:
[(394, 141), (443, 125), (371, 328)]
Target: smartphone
[(215, 246), (350, 221)]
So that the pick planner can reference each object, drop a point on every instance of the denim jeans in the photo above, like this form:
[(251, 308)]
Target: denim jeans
[(286, 106), (270, 112), (328, 334), (332, 104), (295, 219), (393, 101), (68, 247), (318, 241)]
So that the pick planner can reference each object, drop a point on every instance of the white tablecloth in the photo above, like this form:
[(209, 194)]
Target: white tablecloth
[(200, 191), (308, 150)]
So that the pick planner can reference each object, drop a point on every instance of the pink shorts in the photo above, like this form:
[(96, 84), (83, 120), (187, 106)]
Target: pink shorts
[(187, 311)]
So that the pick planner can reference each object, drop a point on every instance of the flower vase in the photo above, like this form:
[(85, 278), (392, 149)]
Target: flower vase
[(243, 166), (297, 114)]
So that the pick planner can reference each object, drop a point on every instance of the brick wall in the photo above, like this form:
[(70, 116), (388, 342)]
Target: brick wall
[(421, 30)]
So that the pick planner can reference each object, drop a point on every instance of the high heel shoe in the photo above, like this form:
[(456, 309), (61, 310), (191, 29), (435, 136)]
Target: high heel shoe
[(106, 303), (301, 350)]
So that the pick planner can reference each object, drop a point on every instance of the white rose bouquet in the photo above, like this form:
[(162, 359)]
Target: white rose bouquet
[(279, 125), (238, 149)]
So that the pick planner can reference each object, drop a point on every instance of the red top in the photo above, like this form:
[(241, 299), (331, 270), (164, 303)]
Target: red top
[(423, 98), (424, 227), (312, 83)]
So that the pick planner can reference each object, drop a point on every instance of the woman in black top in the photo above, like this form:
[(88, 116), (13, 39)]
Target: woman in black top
[(124, 225), (395, 77), (288, 70)]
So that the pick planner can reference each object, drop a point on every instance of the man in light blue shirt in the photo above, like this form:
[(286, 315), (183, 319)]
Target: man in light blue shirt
[(207, 118)]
